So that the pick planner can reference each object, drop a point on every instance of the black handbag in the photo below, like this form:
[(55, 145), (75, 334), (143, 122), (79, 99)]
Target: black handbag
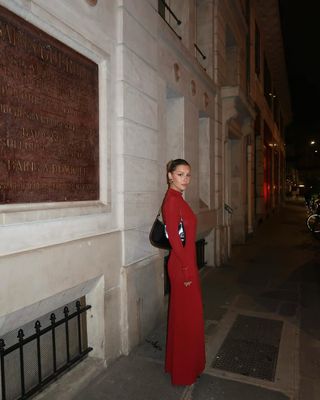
[(158, 235)]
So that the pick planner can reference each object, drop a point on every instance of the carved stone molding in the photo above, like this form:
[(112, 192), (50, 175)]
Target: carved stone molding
[(193, 88), (205, 99), (177, 72)]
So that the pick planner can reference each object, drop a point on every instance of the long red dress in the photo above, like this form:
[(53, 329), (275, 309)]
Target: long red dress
[(185, 348)]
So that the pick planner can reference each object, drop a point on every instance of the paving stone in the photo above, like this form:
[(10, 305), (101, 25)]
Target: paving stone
[(284, 295), (267, 304), (132, 378), (154, 345), (265, 276), (214, 388), (210, 328), (288, 309)]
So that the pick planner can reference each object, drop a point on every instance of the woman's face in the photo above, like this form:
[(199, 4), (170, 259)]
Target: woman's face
[(180, 178)]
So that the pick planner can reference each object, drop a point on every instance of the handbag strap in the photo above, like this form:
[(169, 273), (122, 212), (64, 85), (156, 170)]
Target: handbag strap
[(160, 213)]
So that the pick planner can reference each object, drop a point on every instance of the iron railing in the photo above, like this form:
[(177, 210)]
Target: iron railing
[(162, 6), (43, 379), (202, 55), (228, 208)]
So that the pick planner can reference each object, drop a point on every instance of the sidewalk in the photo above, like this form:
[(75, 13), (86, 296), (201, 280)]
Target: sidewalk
[(262, 329)]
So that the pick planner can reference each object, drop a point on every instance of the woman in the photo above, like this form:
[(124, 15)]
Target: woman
[(185, 350)]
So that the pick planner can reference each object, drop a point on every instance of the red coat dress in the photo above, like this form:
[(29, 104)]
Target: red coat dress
[(185, 348)]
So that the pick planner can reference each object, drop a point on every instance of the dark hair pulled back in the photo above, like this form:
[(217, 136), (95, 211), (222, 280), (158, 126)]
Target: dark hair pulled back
[(173, 164)]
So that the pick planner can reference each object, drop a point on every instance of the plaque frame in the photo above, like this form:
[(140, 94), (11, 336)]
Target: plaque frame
[(42, 211)]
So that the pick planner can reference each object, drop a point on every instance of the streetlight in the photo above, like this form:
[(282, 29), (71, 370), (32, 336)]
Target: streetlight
[(312, 142)]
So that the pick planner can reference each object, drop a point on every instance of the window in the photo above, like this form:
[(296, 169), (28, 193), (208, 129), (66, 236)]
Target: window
[(276, 108), (281, 127), (248, 66), (247, 12), (204, 161), (232, 59), (167, 12), (267, 84), (257, 50), (204, 35)]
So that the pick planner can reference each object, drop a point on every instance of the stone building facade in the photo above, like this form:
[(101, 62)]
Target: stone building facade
[(211, 89)]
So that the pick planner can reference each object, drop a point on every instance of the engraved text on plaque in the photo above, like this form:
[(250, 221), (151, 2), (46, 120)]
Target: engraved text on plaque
[(49, 140)]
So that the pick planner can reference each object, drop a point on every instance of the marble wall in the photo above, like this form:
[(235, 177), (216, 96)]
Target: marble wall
[(156, 102), (237, 116), (53, 253), (182, 93)]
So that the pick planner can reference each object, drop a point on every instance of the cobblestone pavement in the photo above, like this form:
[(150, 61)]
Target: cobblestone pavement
[(262, 329)]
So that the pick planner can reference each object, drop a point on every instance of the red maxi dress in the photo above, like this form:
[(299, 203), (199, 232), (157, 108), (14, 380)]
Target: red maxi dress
[(185, 348)]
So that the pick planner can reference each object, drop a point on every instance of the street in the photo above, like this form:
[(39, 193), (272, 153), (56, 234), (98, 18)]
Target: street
[(262, 328)]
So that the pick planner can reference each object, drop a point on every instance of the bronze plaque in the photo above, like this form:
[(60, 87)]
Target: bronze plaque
[(49, 139)]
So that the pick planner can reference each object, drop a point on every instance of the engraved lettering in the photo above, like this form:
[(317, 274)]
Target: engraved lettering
[(5, 109), (7, 33), (49, 141)]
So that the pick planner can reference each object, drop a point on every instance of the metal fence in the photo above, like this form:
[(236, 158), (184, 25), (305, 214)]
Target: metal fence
[(168, 16), (44, 350)]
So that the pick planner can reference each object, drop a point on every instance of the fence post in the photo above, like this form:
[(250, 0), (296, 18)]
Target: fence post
[(66, 314), (37, 328), (20, 337), (3, 376), (53, 332), (78, 306)]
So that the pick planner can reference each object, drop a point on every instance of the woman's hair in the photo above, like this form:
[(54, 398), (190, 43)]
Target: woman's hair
[(173, 164)]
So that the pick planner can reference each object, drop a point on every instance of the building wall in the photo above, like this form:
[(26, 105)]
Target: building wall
[(158, 100), (181, 125), (101, 249), (253, 146), (137, 83), (53, 253), (273, 143), (237, 121)]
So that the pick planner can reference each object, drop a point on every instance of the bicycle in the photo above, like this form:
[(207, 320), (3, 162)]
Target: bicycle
[(313, 220), (312, 204)]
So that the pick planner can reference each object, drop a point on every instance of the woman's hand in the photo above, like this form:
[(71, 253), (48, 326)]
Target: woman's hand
[(187, 276)]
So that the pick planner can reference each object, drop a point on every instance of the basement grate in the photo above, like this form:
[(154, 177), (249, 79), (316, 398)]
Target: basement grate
[(251, 348)]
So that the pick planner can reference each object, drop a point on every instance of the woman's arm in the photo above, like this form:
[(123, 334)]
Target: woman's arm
[(171, 215)]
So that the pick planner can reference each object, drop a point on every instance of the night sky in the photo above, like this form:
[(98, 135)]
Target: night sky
[(301, 34)]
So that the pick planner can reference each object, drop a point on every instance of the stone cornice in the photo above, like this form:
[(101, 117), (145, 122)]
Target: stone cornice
[(241, 107)]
